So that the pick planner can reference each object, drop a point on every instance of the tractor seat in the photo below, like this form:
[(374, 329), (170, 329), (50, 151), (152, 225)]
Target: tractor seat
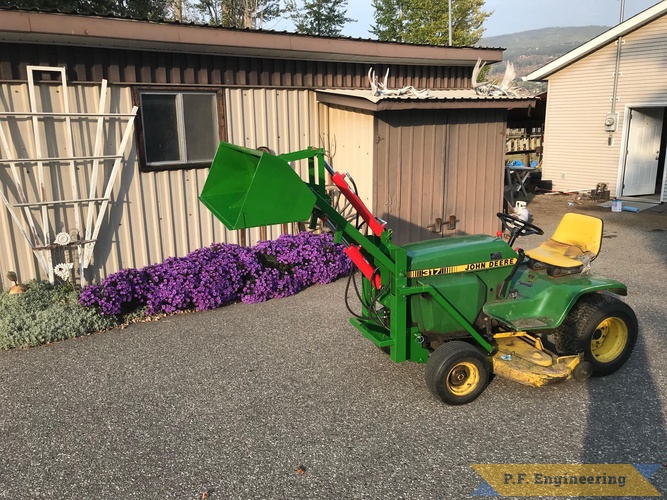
[(575, 242)]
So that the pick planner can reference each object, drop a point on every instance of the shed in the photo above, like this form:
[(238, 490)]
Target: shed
[(437, 160), (193, 86), (605, 111)]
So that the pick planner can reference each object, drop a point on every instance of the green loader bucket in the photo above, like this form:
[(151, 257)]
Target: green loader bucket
[(249, 188)]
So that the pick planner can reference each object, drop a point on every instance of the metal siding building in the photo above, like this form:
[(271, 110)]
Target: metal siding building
[(578, 151), (267, 84)]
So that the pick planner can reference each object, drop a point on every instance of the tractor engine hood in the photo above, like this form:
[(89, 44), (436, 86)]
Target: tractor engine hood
[(460, 254)]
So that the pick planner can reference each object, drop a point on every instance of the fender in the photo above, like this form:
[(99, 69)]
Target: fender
[(539, 305)]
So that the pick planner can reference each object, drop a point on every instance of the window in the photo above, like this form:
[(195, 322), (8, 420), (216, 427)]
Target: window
[(179, 129)]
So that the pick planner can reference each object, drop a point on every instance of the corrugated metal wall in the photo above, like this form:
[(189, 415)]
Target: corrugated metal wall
[(439, 163), (283, 120), (475, 169), (152, 215), (576, 150), (85, 64)]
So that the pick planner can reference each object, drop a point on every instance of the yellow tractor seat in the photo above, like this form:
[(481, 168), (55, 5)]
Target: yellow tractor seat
[(575, 242)]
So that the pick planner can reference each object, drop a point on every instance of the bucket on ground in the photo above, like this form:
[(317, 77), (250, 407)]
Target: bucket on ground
[(616, 205)]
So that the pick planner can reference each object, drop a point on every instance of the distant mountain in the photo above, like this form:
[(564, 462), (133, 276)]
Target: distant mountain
[(530, 50)]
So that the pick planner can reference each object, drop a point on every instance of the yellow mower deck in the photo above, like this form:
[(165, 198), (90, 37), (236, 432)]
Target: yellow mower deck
[(523, 358)]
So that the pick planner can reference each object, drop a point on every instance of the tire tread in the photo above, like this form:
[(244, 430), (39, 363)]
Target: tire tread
[(570, 336)]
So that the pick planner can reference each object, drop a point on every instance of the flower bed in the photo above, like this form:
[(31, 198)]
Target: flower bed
[(222, 273)]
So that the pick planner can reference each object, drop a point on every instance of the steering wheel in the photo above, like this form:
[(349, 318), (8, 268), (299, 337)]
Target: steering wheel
[(517, 227)]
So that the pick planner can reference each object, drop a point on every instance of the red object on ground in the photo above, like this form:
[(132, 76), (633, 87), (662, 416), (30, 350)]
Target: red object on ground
[(354, 253)]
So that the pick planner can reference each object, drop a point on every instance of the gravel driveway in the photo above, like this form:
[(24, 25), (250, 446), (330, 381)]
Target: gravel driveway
[(229, 403)]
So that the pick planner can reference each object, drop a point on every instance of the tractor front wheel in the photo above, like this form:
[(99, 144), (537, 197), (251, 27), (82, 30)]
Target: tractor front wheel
[(457, 372), (603, 328)]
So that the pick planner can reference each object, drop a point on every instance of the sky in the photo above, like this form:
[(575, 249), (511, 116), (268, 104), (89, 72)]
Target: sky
[(512, 16)]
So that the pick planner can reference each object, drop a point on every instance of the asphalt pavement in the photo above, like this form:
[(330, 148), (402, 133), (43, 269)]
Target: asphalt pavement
[(286, 399)]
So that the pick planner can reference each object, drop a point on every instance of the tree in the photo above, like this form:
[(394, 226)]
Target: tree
[(238, 13), (427, 21), (137, 9), (318, 17), (389, 19), (154, 10)]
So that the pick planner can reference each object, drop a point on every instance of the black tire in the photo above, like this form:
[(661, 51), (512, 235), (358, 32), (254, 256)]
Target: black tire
[(457, 372), (603, 328)]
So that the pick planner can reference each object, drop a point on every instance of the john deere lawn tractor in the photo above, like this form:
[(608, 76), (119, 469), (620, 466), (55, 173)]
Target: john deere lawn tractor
[(465, 306)]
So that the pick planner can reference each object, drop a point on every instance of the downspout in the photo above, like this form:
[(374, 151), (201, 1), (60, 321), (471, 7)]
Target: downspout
[(614, 94)]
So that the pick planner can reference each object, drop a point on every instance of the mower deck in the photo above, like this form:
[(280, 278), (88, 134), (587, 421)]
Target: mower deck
[(523, 358)]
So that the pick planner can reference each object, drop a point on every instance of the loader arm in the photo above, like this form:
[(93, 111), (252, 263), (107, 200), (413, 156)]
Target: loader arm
[(249, 188)]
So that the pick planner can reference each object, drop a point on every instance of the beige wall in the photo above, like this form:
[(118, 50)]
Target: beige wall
[(349, 141), (576, 150), (152, 216)]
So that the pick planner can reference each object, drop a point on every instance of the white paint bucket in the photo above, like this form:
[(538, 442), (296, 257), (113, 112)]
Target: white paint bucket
[(616, 205)]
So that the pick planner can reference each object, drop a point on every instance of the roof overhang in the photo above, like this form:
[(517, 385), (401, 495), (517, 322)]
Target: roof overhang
[(440, 99), (598, 42), (67, 29)]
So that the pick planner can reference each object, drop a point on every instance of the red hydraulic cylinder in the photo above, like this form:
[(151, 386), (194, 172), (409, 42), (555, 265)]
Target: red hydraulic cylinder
[(339, 180), (354, 253)]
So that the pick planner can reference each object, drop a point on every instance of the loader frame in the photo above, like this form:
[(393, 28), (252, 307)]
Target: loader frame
[(388, 261)]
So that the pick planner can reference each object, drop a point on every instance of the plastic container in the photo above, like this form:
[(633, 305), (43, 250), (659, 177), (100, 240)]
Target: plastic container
[(616, 205), (521, 211)]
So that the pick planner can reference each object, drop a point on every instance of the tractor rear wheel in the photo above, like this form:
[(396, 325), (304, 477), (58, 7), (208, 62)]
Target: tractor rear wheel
[(457, 372), (603, 328)]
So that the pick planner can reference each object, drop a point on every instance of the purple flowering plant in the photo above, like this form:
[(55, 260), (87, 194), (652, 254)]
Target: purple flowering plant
[(220, 274)]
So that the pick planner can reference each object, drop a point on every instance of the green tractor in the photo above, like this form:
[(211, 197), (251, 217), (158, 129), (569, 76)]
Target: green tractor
[(465, 306)]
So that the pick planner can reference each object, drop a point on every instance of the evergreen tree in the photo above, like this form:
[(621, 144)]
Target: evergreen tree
[(427, 21), (389, 20), (137, 9), (318, 17), (238, 13)]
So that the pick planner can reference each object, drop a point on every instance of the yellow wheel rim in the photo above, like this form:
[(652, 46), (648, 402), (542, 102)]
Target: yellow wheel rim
[(463, 378), (609, 340)]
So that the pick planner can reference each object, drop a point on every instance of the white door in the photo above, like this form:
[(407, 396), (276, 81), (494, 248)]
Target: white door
[(641, 163)]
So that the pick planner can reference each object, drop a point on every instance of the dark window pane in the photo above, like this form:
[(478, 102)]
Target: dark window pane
[(201, 126), (160, 127)]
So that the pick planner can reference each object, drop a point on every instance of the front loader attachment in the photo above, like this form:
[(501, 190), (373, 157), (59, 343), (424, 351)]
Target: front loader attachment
[(248, 188)]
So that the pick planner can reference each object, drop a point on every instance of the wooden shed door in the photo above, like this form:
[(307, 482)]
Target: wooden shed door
[(410, 174), (439, 164)]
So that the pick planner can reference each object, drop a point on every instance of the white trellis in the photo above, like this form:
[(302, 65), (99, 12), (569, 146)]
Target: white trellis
[(81, 237)]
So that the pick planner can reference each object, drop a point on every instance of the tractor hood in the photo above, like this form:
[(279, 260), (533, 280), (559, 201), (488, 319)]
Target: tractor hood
[(458, 254)]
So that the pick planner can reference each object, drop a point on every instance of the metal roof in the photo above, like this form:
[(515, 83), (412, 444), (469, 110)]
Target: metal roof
[(632, 24), (21, 25), (436, 99)]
